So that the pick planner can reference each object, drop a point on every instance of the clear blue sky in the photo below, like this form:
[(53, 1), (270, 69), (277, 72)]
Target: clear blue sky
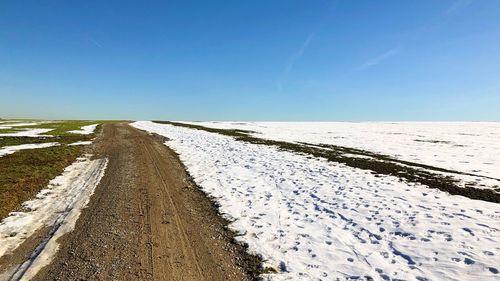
[(251, 60)]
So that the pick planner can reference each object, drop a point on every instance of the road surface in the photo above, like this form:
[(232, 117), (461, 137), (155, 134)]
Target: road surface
[(146, 221)]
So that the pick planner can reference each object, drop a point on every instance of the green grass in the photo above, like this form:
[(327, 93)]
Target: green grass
[(65, 139), (14, 121), (377, 163), (26, 172), (59, 127), (60, 132)]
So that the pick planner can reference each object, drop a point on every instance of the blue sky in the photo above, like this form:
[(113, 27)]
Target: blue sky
[(251, 60)]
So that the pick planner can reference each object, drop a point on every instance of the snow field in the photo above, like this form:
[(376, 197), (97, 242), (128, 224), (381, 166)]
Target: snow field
[(317, 220), (471, 147)]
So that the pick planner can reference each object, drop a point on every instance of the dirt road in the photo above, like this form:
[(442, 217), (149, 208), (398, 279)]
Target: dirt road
[(146, 221)]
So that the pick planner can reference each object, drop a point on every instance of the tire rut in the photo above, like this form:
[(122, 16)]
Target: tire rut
[(186, 246), (146, 221)]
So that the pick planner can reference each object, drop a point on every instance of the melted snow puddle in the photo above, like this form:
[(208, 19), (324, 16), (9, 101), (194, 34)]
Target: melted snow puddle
[(13, 148), (57, 206)]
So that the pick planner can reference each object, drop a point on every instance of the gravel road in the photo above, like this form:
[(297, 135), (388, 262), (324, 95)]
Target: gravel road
[(147, 221)]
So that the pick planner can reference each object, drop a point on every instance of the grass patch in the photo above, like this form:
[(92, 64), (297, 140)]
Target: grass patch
[(377, 163), (26, 172), (67, 139), (59, 127), (8, 131), (60, 132)]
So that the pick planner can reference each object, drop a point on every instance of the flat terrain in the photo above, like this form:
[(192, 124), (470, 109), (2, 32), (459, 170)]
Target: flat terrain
[(146, 221), (27, 171), (470, 149), (326, 212), (168, 201)]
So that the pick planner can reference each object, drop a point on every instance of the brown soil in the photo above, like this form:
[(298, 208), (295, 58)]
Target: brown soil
[(147, 221)]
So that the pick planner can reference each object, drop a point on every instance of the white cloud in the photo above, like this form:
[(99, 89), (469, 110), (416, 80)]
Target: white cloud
[(298, 54), (379, 59), (293, 58)]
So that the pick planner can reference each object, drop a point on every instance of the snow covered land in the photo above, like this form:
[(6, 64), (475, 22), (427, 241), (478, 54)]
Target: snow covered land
[(312, 219), (467, 147), (58, 206), (85, 130)]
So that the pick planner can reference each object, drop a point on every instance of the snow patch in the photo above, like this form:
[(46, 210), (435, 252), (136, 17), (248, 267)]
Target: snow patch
[(469, 147), (81, 143), (13, 148), (57, 206), (11, 125), (85, 130), (28, 133)]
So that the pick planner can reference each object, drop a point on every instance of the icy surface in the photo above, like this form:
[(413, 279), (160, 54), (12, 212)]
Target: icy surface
[(57, 206), (317, 220), (85, 130), (471, 147), (13, 148)]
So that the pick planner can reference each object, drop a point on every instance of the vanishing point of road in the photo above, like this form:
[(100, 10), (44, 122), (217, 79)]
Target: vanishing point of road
[(146, 220)]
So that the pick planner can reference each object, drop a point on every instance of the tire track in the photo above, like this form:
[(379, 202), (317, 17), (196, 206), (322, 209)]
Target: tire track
[(186, 246), (125, 234)]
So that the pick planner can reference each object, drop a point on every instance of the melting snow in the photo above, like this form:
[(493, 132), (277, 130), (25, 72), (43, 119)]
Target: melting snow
[(11, 149), (470, 147), (28, 133), (317, 220), (11, 125), (81, 143), (58, 206), (85, 130)]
